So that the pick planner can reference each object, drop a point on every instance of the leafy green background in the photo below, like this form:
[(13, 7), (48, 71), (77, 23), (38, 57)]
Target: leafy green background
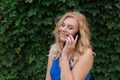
[(26, 33)]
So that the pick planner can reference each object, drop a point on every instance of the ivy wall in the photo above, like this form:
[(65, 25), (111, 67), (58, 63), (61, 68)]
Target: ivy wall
[(26, 33)]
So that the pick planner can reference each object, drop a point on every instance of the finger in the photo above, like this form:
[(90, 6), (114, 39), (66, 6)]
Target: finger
[(76, 38), (72, 40), (71, 37), (66, 42), (69, 41)]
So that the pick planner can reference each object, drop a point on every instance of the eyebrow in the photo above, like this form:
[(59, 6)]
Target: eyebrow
[(68, 24)]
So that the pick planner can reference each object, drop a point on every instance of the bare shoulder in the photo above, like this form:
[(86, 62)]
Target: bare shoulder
[(54, 49), (87, 57), (88, 53), (83, 65)]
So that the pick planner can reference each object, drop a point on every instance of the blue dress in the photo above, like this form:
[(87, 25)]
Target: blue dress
[(56, 70)]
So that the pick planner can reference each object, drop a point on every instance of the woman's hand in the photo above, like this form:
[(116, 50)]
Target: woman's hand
[(69, 46)]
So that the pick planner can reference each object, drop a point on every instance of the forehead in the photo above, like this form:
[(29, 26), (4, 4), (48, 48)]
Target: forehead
[(70, 21)]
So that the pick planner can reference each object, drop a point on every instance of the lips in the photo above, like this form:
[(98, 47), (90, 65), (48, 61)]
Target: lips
[(64, 35)]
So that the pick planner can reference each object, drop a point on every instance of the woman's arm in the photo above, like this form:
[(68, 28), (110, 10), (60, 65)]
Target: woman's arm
[(48, 69), (66, 73), (80, 69)]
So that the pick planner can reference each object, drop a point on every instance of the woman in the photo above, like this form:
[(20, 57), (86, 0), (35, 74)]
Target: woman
[(71, 56)]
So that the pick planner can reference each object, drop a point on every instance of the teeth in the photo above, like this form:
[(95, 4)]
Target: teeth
[(64, 35)]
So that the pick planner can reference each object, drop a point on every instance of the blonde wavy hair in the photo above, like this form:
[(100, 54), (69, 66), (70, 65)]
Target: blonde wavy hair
[(84, 39)]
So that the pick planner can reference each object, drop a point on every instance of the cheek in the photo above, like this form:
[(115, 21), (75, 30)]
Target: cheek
[(72, 33), (59, 29)]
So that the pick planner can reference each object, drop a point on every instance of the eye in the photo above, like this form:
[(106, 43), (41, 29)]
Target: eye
[(70, 27), (62, 24)]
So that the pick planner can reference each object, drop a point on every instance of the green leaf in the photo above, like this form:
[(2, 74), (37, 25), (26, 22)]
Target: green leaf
[(29, 1)]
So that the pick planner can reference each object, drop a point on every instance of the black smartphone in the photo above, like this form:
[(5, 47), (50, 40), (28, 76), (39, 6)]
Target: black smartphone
[(78, 33)]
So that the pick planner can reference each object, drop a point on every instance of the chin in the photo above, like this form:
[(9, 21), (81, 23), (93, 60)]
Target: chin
[(63, 40)]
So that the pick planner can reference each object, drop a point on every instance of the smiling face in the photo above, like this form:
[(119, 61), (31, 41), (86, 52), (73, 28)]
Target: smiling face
[(67, 28)]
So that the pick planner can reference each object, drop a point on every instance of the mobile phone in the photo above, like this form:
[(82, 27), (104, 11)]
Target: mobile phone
[(78, 33)]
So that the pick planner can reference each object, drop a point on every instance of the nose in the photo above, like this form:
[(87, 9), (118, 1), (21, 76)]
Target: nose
[(64, 29)]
